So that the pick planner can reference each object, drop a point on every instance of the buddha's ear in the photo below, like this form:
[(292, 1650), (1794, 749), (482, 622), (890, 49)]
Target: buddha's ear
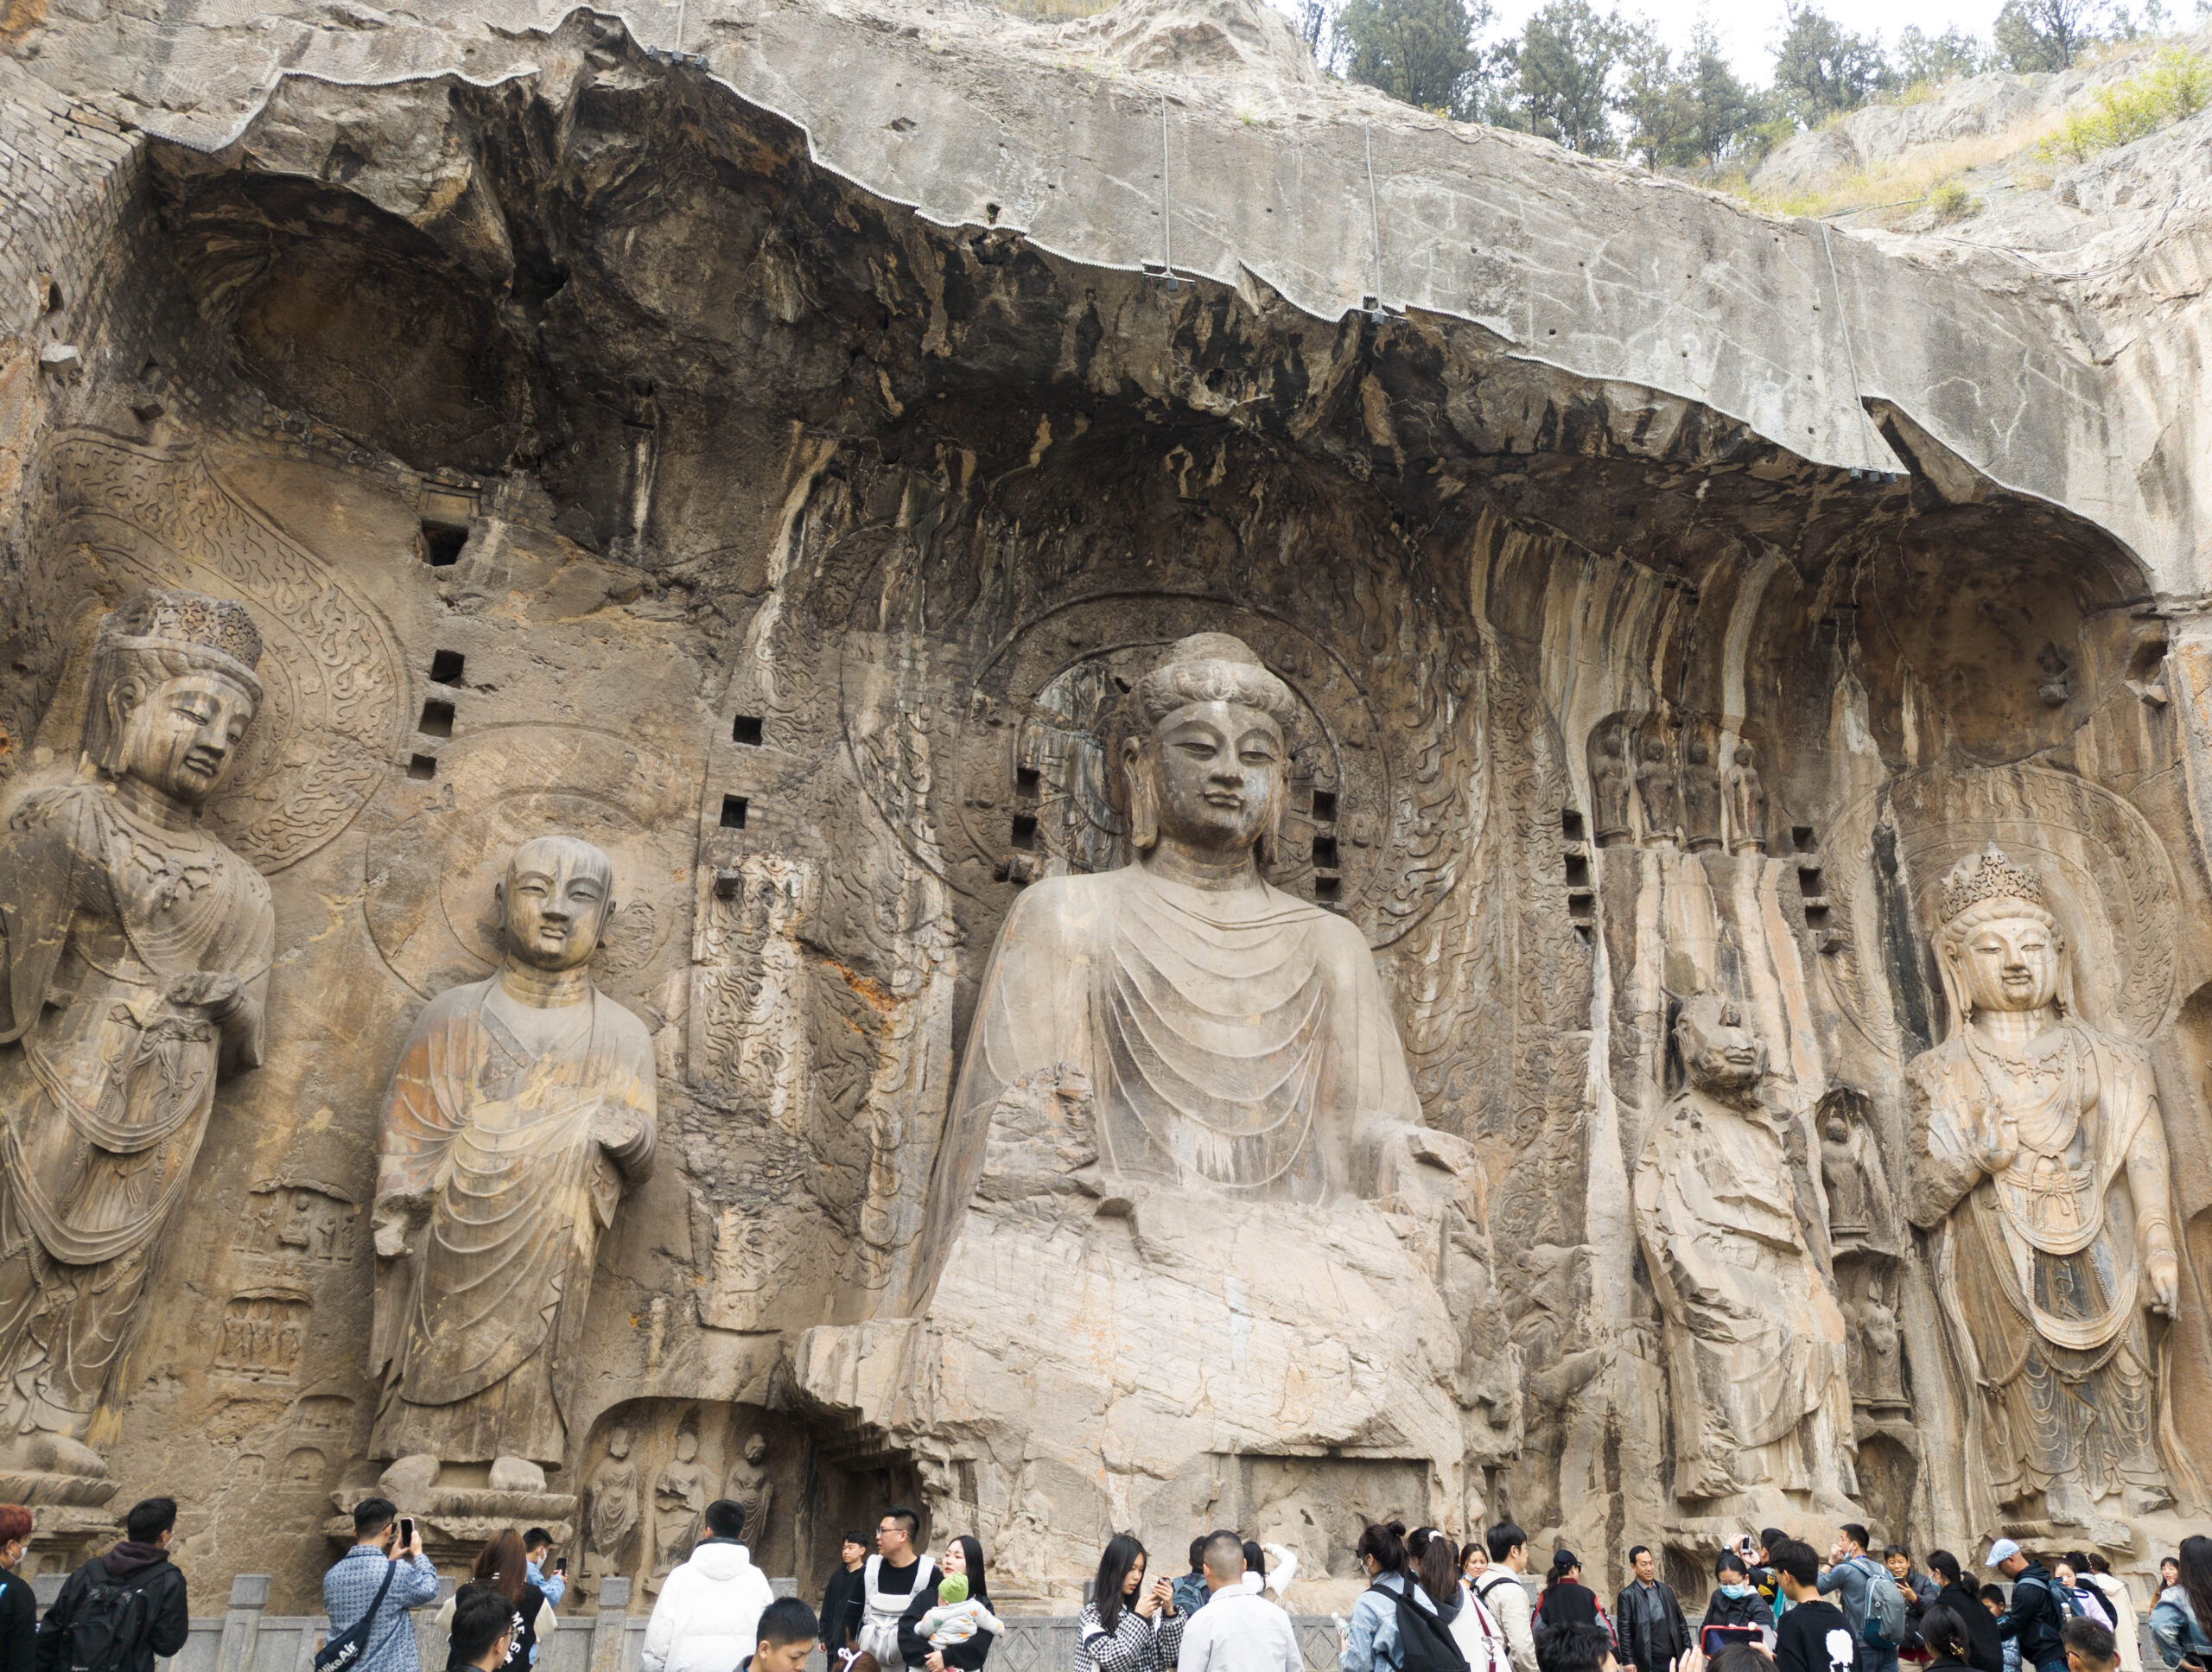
[(1138, 774), (1270, 841)]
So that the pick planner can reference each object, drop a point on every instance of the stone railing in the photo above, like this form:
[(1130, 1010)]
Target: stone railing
[(610, 1638)]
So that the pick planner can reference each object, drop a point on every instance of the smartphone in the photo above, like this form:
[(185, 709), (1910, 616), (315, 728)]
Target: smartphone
[(562, 1566), (406, 1531), (1711, 1639)]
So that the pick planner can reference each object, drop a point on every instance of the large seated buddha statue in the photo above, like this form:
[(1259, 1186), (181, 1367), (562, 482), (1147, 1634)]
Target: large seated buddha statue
[(1232, 1035), (1185, 1197)]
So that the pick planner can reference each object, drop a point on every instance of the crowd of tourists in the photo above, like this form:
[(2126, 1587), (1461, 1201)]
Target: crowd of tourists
[(1429, 1604)]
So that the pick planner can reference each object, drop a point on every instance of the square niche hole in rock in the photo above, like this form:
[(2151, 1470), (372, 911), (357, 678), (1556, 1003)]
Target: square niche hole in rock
[(745, 729), (438, 718), (1325, 806), (422, 767), (446, 667), (442, 543), (733, 812)]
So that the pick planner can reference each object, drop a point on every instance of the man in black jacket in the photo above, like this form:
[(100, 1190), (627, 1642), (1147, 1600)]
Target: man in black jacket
[(1652, 1633), (119, 1611), (2037, 1616), (1984, 1649)]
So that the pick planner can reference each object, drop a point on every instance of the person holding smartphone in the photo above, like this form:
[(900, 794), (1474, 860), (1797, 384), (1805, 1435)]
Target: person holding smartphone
[(381, 1538)]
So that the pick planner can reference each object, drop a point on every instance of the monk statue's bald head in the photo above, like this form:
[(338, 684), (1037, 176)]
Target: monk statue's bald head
[(1208, 767), (556, 900)]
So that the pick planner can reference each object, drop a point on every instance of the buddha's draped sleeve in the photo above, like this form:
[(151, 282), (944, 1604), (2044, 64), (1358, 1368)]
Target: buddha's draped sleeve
[(39, 851)]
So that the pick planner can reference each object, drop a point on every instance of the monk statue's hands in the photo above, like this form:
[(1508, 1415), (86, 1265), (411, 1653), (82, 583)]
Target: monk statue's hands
[(215, 994), (392, 1240), (1996, 1139)]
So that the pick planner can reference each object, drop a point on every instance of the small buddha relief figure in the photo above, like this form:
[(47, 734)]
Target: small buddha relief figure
[(1844, 1175), (137, 949), (754, 1489), (2040, 1162), (522, 1109), (1655, 785), (1746, 805), (1756, 1344), (679, 1501), (1884, 1351), (613, 1510), (1701, 799), (1610, 782), (1232, 1036)]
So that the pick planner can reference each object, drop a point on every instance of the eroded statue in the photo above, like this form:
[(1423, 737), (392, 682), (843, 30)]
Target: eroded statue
[(679, 1503), (2039, 1159), (137, 952), (1700, 798), (753, 1489), (1610, 782), (1746, 805), (1656, 788), (1230, 1033), (613, 1507), (1754, 1341), (521, 1109)]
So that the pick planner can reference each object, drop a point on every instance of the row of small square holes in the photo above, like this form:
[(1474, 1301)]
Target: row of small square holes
[(437, 713), (746, 730)]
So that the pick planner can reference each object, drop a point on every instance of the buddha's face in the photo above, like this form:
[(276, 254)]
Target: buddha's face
[(2008, 963), (1719, 1052), (179, 733), (555, 898), (1219, 769)]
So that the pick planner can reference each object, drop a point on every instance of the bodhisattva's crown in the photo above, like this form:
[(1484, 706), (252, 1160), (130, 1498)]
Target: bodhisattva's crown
[(1987, 875)]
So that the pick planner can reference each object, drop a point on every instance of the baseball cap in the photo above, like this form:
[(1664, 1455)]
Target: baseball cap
[(2003, 1550)]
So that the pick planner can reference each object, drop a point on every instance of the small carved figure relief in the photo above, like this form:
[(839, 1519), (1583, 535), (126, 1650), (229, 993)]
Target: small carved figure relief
[(1609, 786), (1756, 1345), (521, 1109), (1844, 1175), (679, 1500), (751, 1487), (300, 1222), (1746, 805), (1884, 1352), (261, 1337), (2040, 1160), (1655, 785), (136, 969), (613, 1511), (1701, 799)]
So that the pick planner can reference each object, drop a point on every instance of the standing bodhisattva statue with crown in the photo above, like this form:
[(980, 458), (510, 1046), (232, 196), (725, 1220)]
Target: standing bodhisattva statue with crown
[(2040, 1163), (136, 964)]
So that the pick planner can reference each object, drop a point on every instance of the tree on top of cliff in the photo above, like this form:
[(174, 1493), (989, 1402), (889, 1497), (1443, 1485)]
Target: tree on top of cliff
[(1421, 51)]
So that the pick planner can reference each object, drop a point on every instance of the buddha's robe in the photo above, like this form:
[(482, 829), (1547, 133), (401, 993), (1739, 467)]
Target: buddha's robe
[(519, 1129), (105, 1085), (1239, 1040), (2040, 1268)]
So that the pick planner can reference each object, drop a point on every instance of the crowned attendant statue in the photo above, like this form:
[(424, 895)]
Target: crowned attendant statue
[(1756, 1355), (521, 1109), (1234, 1036), (2040, 1162), (137, 951)]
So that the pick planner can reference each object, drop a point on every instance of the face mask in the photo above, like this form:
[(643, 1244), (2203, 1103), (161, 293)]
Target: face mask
[(1734, 1590)]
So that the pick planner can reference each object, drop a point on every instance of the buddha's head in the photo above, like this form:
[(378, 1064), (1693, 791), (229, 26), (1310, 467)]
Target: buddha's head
[(687, 1445), (1209, 769), (756, 1449), (618, 1443), (172, 692), (555, 900), (1999, 946), (1720, 1054)]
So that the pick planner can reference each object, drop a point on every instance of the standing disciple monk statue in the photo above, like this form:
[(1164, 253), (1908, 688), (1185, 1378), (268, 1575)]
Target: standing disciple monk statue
[(2040, 1161), (136, 965), (1756, 1355), (521, 1109), (1232, 1036)]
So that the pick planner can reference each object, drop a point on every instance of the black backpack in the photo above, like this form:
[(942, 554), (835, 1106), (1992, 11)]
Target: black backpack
[(107, 1626), (1424, 1642)]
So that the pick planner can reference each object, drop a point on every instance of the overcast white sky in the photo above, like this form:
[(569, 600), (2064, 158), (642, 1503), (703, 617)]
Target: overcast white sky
[(1749, 28)]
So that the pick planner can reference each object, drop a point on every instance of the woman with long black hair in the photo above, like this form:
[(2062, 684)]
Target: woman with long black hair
[(1127, 1625), (963, 1556), (2181, 1623)]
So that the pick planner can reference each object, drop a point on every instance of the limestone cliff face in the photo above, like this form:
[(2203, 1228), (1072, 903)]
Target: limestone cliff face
[(764, 439)]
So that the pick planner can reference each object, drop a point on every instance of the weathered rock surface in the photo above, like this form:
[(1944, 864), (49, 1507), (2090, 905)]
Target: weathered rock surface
[(769, 442)]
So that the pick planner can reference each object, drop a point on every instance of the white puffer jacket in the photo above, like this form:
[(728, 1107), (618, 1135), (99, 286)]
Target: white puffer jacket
[(708, 1614)]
